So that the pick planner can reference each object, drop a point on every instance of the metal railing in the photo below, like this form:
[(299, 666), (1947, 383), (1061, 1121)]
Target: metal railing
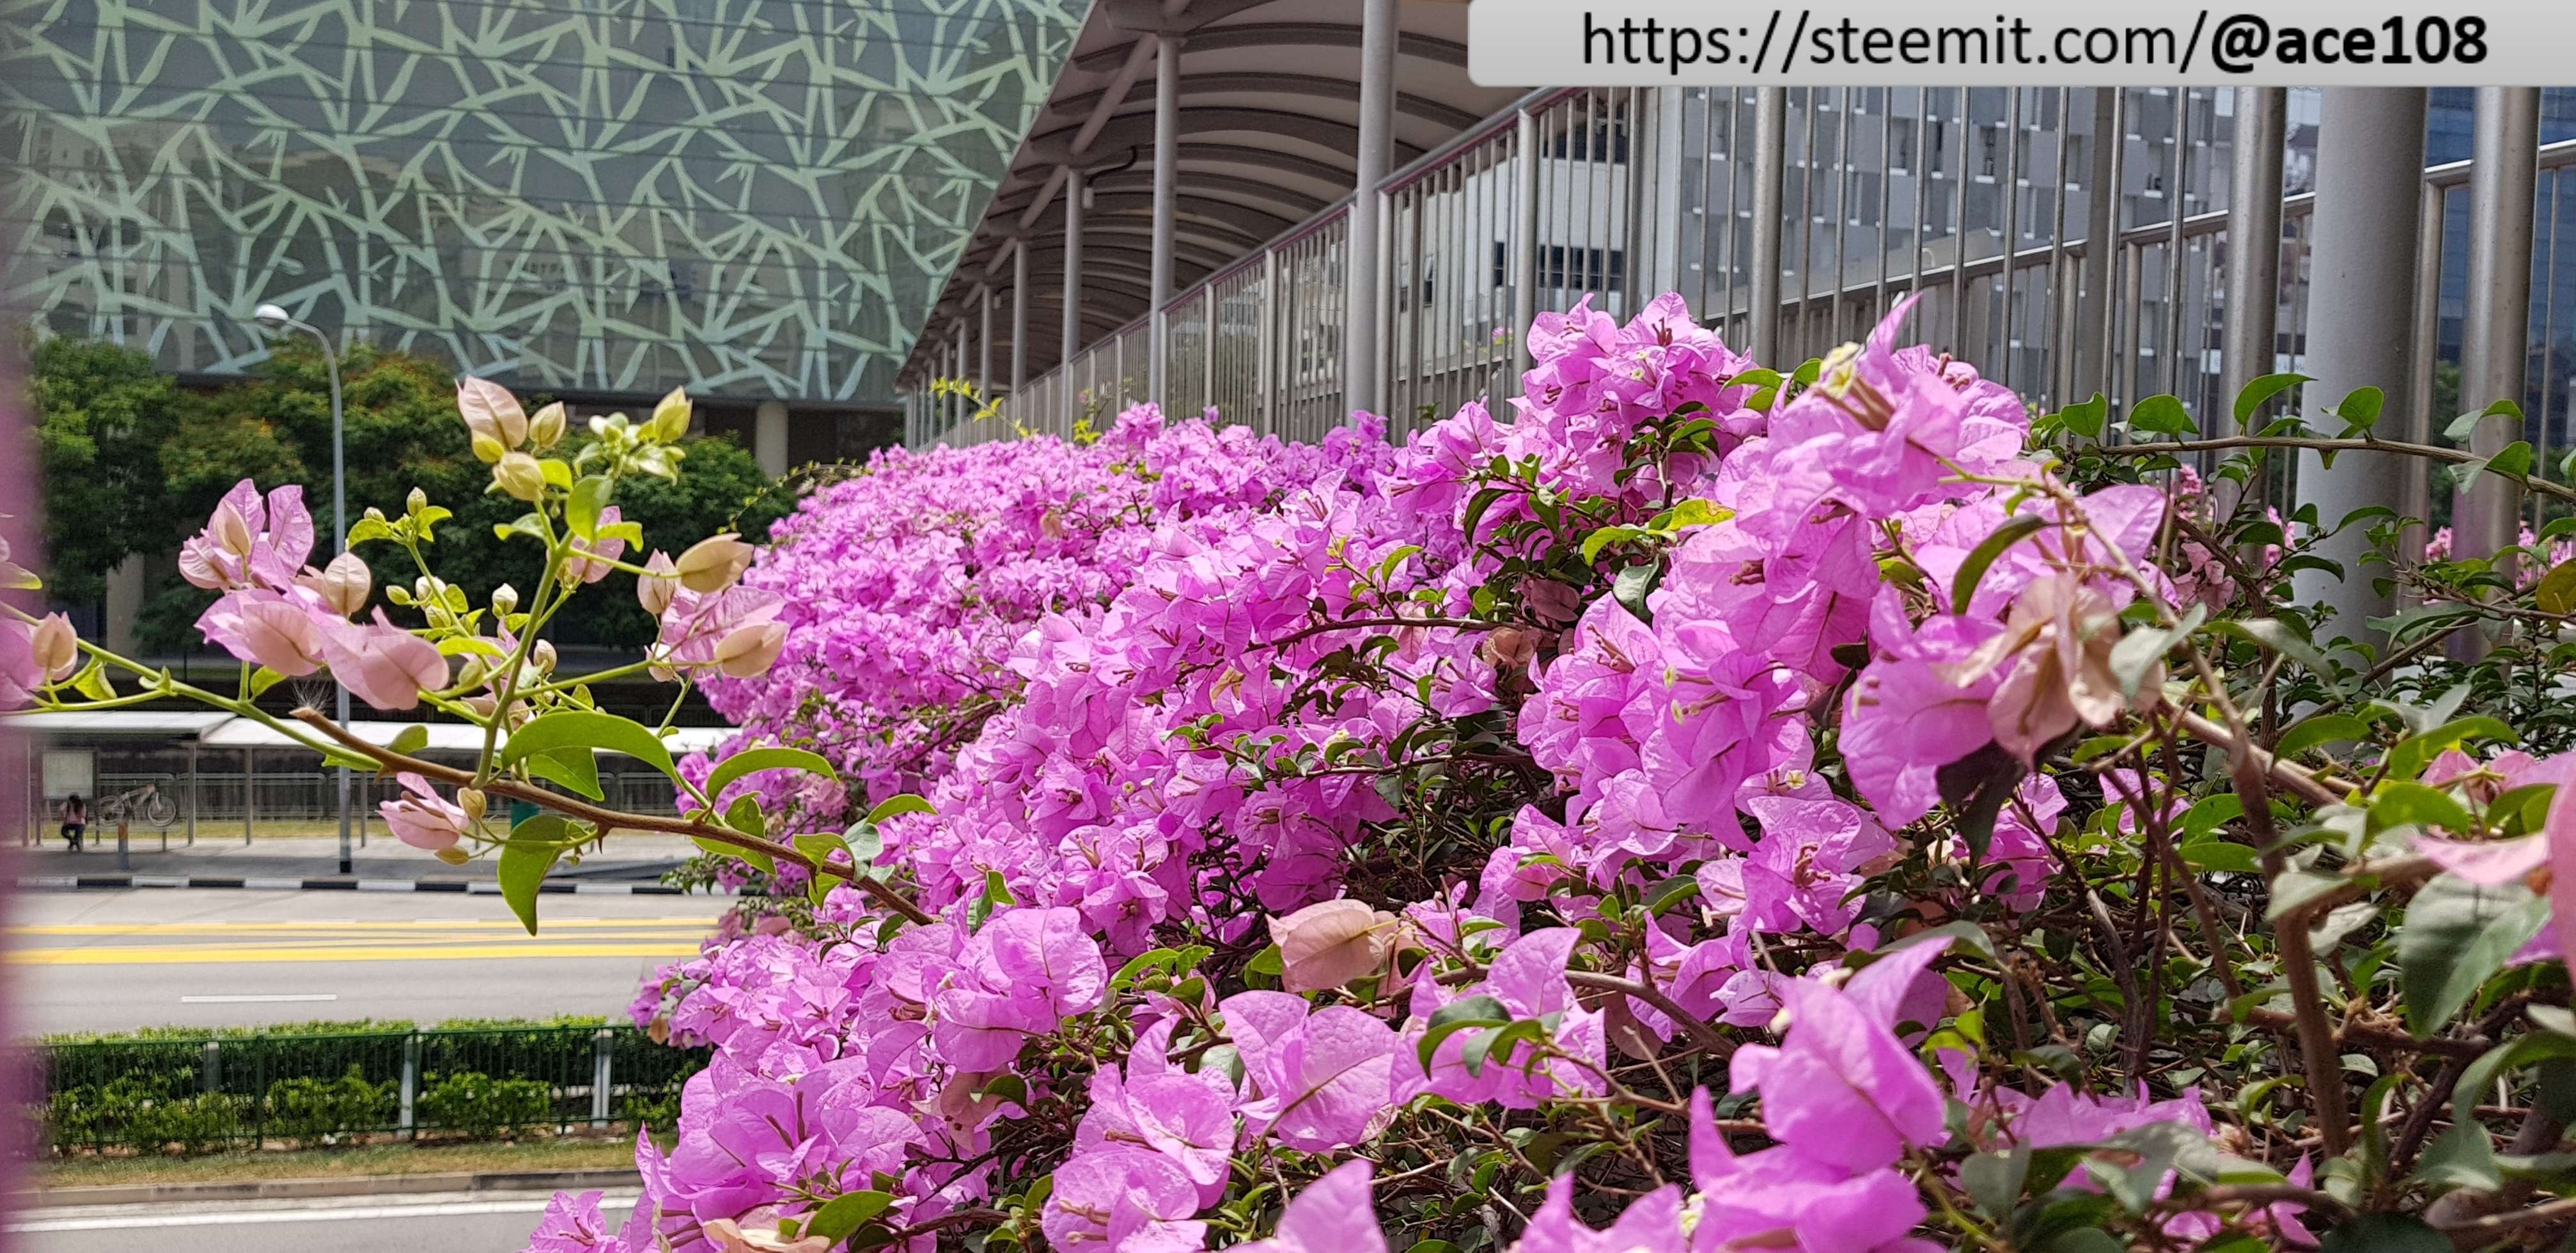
[(202, 1092), (1989, 202)]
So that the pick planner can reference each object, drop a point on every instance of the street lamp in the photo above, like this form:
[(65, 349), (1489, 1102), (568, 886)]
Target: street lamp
[(275, 318)]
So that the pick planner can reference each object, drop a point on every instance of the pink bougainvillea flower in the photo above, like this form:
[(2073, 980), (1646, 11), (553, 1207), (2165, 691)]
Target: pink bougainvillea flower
[(422, 818), (590, 560), (1124, 1201), (382, 664), (1333, 1215), (1314, 1082)]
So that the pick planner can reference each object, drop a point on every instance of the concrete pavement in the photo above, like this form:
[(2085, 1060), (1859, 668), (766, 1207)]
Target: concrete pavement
[(109, 961), (630, 856), (455, 1222)]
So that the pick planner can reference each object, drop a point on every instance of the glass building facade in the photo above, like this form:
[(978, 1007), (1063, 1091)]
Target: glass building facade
[(755, 198)]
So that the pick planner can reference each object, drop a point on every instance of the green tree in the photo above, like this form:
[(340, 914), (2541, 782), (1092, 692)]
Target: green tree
[(102, 414), (403, 432)]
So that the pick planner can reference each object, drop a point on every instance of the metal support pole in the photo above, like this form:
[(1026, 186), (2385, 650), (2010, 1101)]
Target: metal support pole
[(1770, 181), (2370, 171), (1019, 316), (1073, 188), (2101, 247), (410, 1084), (984, 345), (601, 1046), (1376, 155), (193, 792), (1667, 173), (210, 1067), (1525, 236), (2494, 348), (250, 791), (2253, 260), (1167, 160)]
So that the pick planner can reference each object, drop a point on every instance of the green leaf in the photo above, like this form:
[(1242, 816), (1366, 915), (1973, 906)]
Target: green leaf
[(2266, 387), (533, 847), (752, 760), (2161, 415), (92, 682), (2281, 638), (1972, 571), (1606, 536), (2384, 1233), (586, 729), (2360, 410), (2140, 650), (2320, 731), (2557, 590), (589, 496), (2466, 424), (759, 860), (410, 740), (2087, 417), (573, 768), (2478, 1081), (1476, 507), (1460, 1015), (1975, 788), (843, 1214), (2214, 855), (2512, 461), (2411, 755), (1505, 1038), (263, 679), (744, 815), (2457, 935), (2398, 803), (2461, 1158), (894, 806), (1994, 1180), (2162, 1148), (1634, 585)]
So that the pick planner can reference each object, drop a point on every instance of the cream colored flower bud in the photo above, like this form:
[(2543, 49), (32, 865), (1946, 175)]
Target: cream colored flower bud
[(230, 530), (487, 449), (654, 590), (546, 428), (471, 801), (417, 501), (749, 651), (344, 584), (505, 600), (520, 476), (670, 418), (542, 657), (712, 564), (57, 648)]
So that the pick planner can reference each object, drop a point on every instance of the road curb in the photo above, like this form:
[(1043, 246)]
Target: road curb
[(329, 883), (345, 1185)]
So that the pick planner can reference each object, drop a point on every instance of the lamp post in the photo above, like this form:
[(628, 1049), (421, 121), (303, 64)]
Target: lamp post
[(276, 320)]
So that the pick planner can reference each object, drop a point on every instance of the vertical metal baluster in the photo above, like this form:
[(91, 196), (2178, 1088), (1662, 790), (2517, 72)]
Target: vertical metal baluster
[(1842, 207), (2061, 346), (1886, 183), (2174, 245), (2548, 346), (1959, 225), (2011, 235)]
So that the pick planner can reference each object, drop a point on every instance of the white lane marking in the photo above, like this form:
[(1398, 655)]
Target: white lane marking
[(259, 998), (163, 1217)]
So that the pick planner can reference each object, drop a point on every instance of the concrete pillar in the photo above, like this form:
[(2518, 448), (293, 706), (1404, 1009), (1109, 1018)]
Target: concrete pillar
[(1376, 155), (2253, 261), (125, 588), (769, 437), (1770, 184), (1167, 159), (2494, 350), (2370, 171)]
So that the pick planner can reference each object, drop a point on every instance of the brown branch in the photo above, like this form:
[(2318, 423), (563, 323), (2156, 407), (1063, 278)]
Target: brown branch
[(2288, 774), (1701, 1034), (1459, 624), (606, 819)]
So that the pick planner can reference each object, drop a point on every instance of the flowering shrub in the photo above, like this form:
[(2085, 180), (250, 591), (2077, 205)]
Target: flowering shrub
[(1700, 808)]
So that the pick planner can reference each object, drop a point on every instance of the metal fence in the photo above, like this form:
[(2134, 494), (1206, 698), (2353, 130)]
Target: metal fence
[(2063, 240), (218, 796), (207, 1092)]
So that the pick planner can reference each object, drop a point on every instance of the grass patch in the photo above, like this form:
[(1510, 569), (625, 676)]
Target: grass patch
[(380, 1159)]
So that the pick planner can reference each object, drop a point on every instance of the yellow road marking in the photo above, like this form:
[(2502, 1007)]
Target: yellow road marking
[(418, 924), (140, 956)]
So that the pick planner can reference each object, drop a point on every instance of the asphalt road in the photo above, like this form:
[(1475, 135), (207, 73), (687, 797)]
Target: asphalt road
[(104, 961), (429, 1222)]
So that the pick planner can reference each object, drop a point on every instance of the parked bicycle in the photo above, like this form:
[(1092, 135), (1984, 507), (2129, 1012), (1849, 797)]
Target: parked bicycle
[(144, 806)]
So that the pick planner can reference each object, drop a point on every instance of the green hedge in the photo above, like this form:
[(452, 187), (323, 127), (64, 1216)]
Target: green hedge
[(156, 1091)]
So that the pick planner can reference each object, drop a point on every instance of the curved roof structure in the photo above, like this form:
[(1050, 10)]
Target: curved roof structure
[(1269, 112)]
